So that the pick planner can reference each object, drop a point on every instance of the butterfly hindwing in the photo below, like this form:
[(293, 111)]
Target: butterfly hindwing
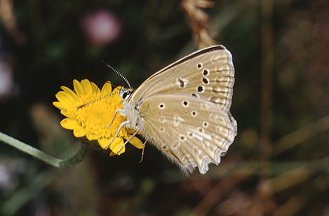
[(189, 131)]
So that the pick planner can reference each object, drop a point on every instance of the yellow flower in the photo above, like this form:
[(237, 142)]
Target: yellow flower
[(91, 112)]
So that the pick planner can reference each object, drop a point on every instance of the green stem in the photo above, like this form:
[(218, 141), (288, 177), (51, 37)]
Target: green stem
[(59, 163)]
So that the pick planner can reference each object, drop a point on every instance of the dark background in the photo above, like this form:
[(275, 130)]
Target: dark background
[(278, 164)]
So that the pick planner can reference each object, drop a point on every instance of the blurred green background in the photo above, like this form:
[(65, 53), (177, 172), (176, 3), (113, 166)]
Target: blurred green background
[(278, 164)]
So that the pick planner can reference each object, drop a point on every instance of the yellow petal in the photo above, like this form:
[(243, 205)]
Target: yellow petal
[(68, 113), (117, 90), (69, 123), (91, 136), (59, 105), (64, 98), (107, 87), (95, 87), (86, 85), (137, 143), (78, 88), (79, 132), (67, 96), (104, 143), (69, 91), (117, 145)]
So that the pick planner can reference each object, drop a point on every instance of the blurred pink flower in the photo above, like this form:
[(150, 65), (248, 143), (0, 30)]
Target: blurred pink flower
[(100, 26)]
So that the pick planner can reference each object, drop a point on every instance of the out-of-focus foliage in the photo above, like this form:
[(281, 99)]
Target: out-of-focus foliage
[(278, 164)]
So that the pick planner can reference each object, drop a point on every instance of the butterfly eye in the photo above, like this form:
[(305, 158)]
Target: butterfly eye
[(125, 94)]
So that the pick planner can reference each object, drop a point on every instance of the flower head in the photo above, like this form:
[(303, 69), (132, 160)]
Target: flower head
[(93, 112), (101, 27)]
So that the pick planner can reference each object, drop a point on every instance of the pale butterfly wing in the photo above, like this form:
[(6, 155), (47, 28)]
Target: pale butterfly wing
[(207, 73), (183, 109), (189, 132)]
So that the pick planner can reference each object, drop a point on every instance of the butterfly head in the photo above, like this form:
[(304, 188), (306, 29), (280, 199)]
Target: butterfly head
[(125, 93), (130, 110)]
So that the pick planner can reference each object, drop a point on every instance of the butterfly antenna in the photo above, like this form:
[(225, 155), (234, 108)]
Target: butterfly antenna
[(123, 77)]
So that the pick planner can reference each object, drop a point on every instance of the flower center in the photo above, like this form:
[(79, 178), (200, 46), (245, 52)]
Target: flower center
[(96, 115)]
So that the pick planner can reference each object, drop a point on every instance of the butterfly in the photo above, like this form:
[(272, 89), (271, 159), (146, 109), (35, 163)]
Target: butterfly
[(184, 109)]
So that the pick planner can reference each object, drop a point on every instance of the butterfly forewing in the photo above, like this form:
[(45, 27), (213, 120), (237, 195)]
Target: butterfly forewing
[(207, 74)]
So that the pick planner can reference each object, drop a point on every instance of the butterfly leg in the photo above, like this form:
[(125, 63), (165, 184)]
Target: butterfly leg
[(127, 141), (143, 152), (117, 133), (115, 115)]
